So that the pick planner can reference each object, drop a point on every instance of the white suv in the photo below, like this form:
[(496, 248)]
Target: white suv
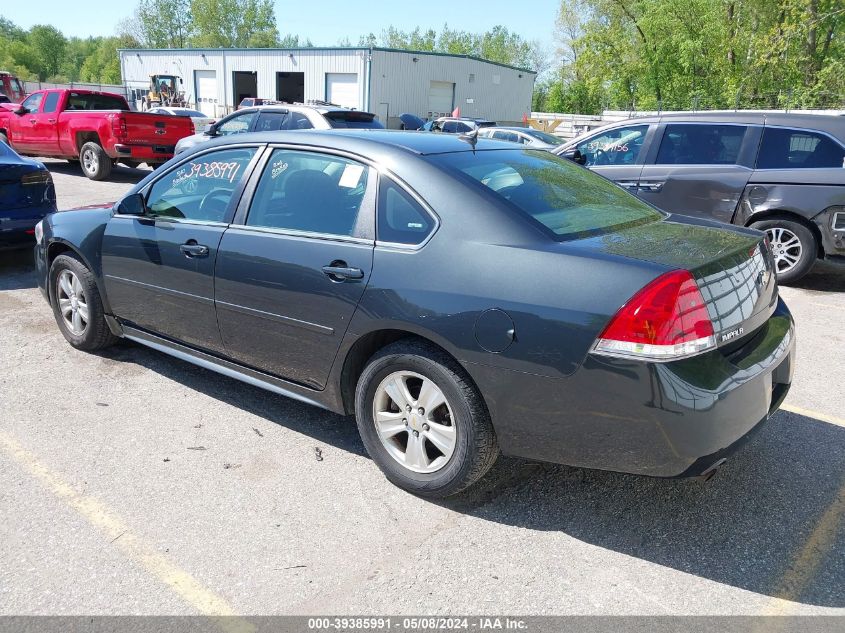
[(282, 116)]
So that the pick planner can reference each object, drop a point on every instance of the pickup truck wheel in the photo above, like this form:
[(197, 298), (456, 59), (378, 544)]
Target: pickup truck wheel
[(77, 305), (422, 421), (793, 245), (96, 164)]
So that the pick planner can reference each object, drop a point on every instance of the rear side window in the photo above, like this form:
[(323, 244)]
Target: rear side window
[(700, 144), (51, 102), (619, 146), (401, 219), (78, 101), (270, 121), (202, 188), (568, 201), (305, 191), (297, 121), (798, 149)]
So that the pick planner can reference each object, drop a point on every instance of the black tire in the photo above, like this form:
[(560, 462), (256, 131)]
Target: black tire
[(475, 448), (96, 333), (809, 246), (4, 139), (98, 165)]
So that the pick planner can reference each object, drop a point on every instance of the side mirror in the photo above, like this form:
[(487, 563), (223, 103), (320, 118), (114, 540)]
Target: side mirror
[(575, 156), (212, 130), (20, 110), (132, 205)]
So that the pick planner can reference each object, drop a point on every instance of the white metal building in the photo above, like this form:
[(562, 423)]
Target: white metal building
[(387, 82)]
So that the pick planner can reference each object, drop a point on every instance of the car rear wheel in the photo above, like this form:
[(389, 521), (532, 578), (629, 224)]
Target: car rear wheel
[(793, 245), (422, 421), (77, 305), (96, 164)]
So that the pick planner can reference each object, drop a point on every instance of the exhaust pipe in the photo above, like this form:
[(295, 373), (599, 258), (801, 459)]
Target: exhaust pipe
[(707, 475)]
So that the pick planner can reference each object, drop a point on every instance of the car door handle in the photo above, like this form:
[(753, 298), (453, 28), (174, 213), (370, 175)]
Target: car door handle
[(192, 249), (652, 186), (339, 271), (33, 121), (51, 120)]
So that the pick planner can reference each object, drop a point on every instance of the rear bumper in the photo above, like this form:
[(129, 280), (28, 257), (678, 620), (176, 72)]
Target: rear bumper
[(143, 153), (665, 420), (17, 226)]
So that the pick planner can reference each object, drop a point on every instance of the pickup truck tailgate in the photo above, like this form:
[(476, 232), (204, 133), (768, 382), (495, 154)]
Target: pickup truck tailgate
[(155, 129)]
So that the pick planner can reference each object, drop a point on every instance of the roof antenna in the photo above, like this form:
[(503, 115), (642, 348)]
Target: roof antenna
[(471, 137)]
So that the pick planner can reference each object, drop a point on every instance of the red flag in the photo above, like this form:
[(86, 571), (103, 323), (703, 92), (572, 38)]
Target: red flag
[(456, 112)]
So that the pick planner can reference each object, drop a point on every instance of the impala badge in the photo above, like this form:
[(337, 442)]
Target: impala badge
[(727, 336)]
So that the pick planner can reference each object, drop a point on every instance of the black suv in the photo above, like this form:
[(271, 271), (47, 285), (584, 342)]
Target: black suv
[(780, 173)]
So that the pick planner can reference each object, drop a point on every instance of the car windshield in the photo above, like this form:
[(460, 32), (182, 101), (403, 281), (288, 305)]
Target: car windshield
[(568, 201), (545, 137), (95, 102), (352, 119)]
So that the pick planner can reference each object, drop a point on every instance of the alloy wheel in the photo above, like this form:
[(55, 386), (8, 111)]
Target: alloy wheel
[(73, 305), (786, 247), (89, 161), (414, 421)]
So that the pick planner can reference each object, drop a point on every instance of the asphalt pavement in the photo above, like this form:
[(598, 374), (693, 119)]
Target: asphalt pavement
[(135, 483)]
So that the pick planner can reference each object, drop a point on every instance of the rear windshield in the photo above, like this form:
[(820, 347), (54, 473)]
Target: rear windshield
[(95, 102), (191, 113), (566, 200), (353, 120), (545, 137)]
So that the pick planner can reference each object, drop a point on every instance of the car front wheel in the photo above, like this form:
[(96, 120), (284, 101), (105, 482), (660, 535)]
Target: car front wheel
[(422, 421), (77, 305), (793, 246)]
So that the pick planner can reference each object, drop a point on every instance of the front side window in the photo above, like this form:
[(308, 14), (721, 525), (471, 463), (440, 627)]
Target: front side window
[(783, 148), (238, 124), (567, 201), (33, 102), (401, 219), (700, 144), (619, 146), (306, 191), (202, 188)]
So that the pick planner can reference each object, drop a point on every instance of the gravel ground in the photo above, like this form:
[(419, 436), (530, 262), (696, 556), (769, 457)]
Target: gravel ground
[(134, 483)]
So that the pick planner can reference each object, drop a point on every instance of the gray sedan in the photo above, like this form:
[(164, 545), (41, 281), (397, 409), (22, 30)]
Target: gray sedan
[(461, 297)]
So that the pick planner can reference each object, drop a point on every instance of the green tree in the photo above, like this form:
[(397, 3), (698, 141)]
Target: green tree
[(233, 24), (48, 45)]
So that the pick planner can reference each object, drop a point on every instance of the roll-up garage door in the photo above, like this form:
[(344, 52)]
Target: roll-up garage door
[(342, 89), (441, 97), (206, 91)]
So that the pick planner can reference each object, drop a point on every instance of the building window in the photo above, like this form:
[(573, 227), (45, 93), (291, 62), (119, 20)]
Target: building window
[(472, 78)]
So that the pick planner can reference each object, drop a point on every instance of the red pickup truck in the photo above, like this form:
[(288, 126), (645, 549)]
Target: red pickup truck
[(95, 128)]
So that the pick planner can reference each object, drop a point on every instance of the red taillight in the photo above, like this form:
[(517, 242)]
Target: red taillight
[(666, 320), (118, 126)]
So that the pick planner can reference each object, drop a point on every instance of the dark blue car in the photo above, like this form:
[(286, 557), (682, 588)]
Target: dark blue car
[(460, 298), (26, 196)]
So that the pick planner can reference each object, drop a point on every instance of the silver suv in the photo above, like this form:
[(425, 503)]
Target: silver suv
[(780, 173), (282, 116)]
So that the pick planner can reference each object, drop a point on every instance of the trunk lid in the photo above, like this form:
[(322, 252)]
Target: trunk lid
[(732, 266)]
